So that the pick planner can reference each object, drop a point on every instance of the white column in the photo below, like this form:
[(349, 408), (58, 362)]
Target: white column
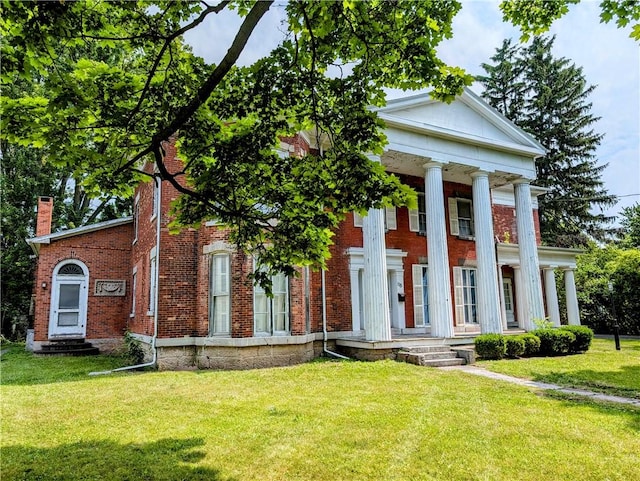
[(528, 251), (503, 307), (521, 302), (573, 313), (439, 286), (487, 280), (551, 295), (377, 322)]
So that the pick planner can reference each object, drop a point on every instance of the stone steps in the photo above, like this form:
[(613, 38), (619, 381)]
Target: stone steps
[(68, 347), (431, 356)]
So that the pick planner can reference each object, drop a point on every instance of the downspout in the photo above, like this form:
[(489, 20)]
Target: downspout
[(324, 323), (154, 349)]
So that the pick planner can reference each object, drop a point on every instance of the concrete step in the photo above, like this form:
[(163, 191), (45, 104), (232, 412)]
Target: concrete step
[(426, 349), (415, 357), (456, 361)]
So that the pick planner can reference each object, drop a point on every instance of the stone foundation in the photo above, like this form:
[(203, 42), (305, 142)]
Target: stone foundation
[(236, 357)]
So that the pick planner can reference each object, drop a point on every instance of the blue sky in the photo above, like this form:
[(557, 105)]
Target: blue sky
[(609, 58)]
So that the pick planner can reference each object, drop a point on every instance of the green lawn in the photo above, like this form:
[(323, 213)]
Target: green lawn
[(318, 421), (601, 368)]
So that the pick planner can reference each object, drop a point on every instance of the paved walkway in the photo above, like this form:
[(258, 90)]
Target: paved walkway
[(478, 371)]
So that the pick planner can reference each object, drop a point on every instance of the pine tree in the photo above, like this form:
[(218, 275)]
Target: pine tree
[(548, 98)]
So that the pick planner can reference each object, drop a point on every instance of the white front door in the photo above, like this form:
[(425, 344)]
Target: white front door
[(507, 285), (68, 315)]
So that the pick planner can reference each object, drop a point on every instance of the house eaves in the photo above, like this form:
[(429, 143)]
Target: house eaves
[(36, 242)]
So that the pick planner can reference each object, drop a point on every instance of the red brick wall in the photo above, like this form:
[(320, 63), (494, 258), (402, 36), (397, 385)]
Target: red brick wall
[(504, 221), (107, 255)]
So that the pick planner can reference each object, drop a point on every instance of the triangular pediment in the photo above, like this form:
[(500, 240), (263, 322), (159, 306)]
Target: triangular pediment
[(468, 119)]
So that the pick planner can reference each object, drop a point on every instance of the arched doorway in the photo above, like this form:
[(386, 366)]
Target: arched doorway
[(69, 295)]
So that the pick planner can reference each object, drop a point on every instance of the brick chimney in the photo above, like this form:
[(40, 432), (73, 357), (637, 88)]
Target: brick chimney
[(45, 214)]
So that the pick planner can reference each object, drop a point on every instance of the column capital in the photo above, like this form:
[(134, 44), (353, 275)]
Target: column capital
[(522, 180), (568, 268), (549, 268), (480, 173), (435, 163)]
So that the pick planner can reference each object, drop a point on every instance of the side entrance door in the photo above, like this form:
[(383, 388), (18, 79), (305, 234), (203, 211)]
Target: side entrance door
[(68, 316)]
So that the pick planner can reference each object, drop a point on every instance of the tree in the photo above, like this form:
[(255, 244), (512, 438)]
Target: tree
[(598, 267), (630, 222), (105, 119), (548, 98), (534, 17)]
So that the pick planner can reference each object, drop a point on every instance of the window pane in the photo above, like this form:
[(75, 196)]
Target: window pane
[(68, 319), (464, 209), (260, 312), (279, 312), (221, 314), (69, 296)]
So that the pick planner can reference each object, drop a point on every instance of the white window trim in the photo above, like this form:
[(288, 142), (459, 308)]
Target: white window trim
[(214, 293), (136, 218), (156, 198), (134, 288), (153, 267)]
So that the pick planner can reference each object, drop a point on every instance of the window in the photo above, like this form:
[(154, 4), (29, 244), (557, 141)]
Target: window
[(390, 222), (136, 216), (271, 314), (464, 280), (418, 217), (153, 269), (134, 285), (420, 295), (219, 295), (156, 197), (461, 217)]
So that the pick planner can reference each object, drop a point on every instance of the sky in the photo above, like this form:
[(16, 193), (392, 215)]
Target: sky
[(609, 58)]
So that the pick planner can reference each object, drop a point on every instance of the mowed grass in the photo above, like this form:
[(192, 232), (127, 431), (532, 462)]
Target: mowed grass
[(318, 421), (600, 369)]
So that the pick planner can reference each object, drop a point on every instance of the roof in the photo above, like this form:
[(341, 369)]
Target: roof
[(514, 139), (36, 242)]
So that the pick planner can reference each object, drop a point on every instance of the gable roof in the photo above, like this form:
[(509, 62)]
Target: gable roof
[(468, 119), (36, 242)]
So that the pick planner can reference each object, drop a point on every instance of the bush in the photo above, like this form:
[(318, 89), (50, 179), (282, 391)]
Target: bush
[(531, 344), (583, 335), (515, 346), (491, 346), (135, 353), (554, 342)]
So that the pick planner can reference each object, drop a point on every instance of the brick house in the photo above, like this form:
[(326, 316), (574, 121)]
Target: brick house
[(467, 261)]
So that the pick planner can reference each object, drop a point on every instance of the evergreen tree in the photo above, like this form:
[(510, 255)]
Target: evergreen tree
[(548, 98)]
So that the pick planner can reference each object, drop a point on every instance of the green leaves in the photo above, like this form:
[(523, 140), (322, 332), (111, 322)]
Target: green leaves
[(114, 80)]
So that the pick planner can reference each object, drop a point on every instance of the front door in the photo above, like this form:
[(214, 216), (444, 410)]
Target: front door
[(507, 285), (69, 301)]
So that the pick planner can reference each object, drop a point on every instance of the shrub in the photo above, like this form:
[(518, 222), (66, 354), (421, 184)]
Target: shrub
[(584, 336), (515, 346), (491, 346), (531, 344), (554, 342), (135, 353)]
